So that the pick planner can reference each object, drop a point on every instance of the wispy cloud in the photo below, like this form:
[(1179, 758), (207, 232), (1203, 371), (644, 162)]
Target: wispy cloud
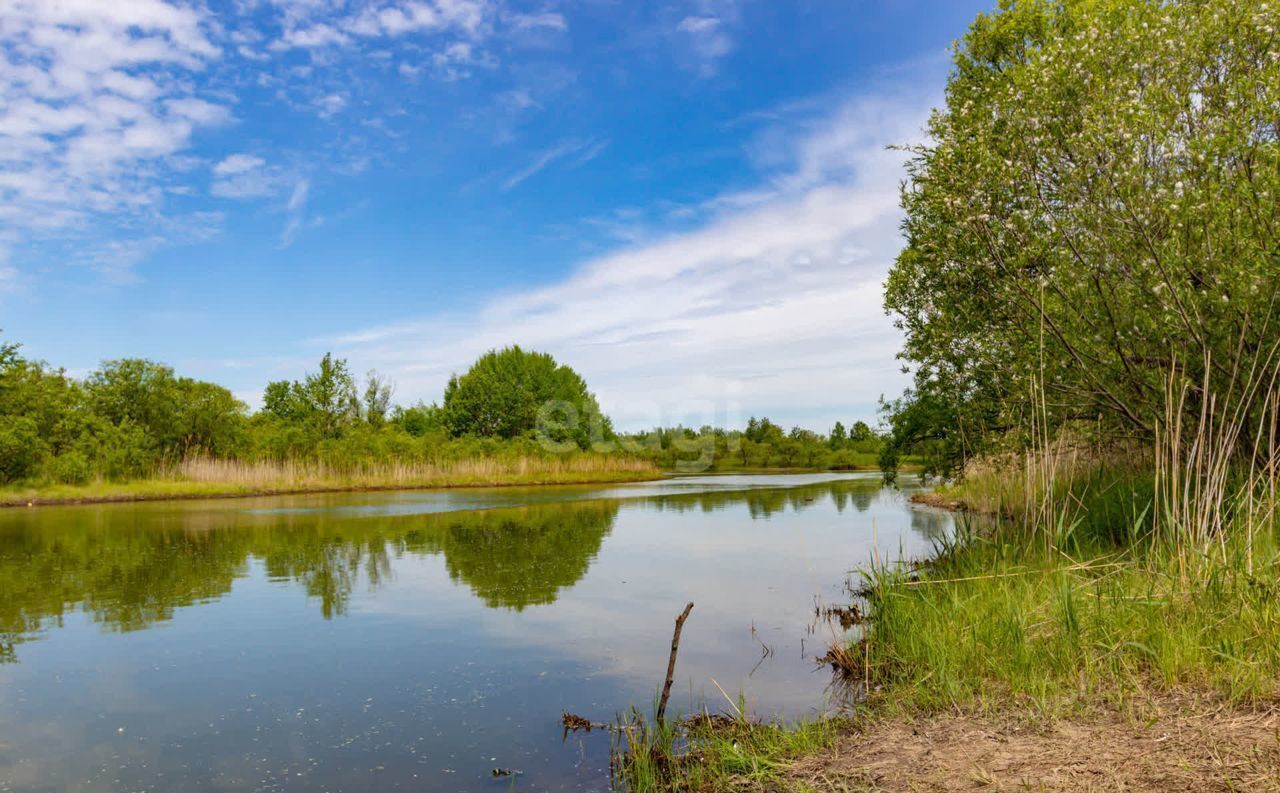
[(242, 176), (107, 108), (706, 35), (95, 105), (556, 152), (91, 95), (8, 278), (330, 104), (296, 210), (316, 25), (545, 20), (769, 293)]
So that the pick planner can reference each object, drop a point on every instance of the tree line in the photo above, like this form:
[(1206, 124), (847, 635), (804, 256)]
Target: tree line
[(132, 418)]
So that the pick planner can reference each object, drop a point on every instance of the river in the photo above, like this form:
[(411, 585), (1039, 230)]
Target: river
[(416, 640)]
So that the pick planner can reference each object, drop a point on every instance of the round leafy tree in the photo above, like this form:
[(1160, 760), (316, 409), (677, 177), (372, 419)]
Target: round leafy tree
[(510, 393)]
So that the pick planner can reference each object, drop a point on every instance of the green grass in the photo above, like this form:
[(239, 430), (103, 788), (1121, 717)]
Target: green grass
[(711, 754), (1070, 602), (996, 619)]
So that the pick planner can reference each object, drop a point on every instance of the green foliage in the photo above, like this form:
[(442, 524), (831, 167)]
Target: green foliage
[(860, 432), (325, 401), (20, 447), (71, 468), (176, 415), (510, 393), (763, 444), (419, 420), (376, 400), (124, 420), (1090, 229), (134, 419), (838, 436)]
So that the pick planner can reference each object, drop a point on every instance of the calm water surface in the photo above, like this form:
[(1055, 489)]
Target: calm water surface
[(413, 641)]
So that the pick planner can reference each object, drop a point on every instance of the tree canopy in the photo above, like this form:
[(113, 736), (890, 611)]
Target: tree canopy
[(1091, 228), (510, 392)]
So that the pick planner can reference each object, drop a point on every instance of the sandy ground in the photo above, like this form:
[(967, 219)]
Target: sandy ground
[(1171, 744)]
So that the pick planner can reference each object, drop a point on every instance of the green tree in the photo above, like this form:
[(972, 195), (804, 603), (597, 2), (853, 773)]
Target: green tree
[(141, 392), (376, 401), (838, 436), (20, 447), (325, 401), (510, 392), (210, 418), (419, 420), (177, 415), (1091, 226), (860, 432)]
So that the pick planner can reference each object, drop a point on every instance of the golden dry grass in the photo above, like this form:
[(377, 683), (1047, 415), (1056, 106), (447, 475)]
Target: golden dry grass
[(212, 478)]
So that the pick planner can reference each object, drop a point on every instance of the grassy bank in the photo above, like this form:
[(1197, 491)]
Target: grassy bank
[(1083, 601), (204, 478)]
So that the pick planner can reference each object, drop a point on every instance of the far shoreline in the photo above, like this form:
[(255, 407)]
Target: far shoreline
[(20, 501), (156, 490)]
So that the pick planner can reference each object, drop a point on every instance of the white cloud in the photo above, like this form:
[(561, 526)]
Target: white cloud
[(315, 25), (247, 176), (296, 210), (237, 164), (705, 34), (451, 62), (330, 104), (698, 24), (707, 40), (93, 102), (298, 198), (774, 304), (546, 20), (312, 37), (544, 158)]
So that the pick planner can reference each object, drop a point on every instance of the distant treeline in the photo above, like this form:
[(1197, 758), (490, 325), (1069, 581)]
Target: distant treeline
[(763, 444), (133, 418)]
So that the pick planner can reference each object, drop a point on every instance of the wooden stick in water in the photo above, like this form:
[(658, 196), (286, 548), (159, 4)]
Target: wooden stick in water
[(671, 662)]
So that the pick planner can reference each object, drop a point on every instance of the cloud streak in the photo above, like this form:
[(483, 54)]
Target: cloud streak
[(772, 306), (546, 157)]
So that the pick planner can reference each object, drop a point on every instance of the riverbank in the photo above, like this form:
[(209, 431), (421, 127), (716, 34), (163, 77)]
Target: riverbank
[(213, 479), (1062, 649), (1160, 742)]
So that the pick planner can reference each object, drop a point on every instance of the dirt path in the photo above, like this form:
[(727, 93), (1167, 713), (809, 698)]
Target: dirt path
[(1176, 744)]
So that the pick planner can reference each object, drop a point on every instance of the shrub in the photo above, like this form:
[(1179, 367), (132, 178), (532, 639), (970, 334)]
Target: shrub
[(70, 468), (20, 447)]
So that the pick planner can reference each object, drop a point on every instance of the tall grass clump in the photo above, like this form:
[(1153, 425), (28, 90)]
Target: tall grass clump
[(1081, 574)]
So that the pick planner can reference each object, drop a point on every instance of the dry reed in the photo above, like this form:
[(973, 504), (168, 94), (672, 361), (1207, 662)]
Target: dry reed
[(304, 474)]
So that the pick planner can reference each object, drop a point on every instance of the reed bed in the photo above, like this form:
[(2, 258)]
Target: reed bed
[(1099, 575), (271, 474), (200, 477)]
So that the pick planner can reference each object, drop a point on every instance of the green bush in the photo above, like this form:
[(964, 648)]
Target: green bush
[(70, 468), (20, 447)]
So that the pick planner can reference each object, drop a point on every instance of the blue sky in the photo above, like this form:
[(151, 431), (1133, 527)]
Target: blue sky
[(689, 202)]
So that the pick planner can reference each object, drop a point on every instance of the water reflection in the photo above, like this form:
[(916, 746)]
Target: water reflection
[(409, 641), (130, 573)]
